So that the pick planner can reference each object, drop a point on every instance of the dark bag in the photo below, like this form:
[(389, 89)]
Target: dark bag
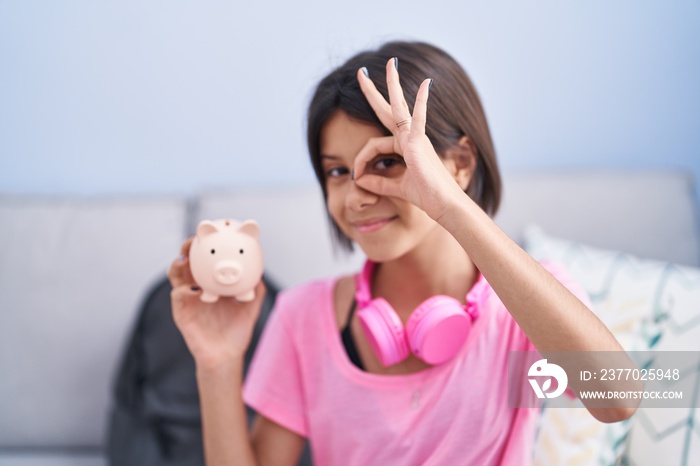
[(155, 418)]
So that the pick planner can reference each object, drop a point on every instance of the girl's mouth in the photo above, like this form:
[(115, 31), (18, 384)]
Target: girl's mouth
[(370, 226)]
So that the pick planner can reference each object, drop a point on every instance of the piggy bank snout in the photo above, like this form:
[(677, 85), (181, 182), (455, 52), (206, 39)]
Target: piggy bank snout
[(227, 272)]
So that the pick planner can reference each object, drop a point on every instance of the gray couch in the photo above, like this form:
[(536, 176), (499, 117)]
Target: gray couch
[(73, 272)]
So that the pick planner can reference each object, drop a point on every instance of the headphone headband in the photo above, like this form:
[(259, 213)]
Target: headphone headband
[(363, 293)]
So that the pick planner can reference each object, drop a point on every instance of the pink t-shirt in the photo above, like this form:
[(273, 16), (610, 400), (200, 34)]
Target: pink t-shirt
[(456, 413)]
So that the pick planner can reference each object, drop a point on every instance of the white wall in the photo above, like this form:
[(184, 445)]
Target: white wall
[(102, 97)]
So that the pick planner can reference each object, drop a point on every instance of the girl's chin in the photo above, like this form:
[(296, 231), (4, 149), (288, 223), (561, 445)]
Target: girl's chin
[(381, 252)]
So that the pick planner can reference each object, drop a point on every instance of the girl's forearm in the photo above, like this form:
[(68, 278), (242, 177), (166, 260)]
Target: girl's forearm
[(551, 316), (224, 422)]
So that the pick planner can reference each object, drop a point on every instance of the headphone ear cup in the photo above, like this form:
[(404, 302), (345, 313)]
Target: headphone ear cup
[(384, 331), (437, 329)]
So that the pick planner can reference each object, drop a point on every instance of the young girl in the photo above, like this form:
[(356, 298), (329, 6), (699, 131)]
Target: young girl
[(406, 362)]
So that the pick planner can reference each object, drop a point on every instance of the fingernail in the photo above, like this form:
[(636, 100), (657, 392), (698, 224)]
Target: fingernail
[(182, 258), (430, 84), (364, 71), (195, 288), (352, 174), (396, 63)]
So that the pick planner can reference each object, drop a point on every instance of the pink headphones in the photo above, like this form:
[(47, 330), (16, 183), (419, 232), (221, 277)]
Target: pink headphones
[(435, 331)]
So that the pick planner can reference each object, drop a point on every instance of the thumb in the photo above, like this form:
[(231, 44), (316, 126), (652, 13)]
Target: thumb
[(252, 308), (379, 185), (260, 293)]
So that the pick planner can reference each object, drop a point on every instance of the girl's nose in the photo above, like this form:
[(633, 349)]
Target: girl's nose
[(357, 198)]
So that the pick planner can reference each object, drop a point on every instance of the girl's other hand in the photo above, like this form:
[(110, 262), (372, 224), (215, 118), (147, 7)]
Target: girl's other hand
[(215, 333), (426, 182)]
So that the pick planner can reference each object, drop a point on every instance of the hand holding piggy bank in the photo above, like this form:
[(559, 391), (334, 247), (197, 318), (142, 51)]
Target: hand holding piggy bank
[(226, 259)]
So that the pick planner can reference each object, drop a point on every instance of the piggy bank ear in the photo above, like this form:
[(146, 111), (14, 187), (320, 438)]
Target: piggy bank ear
[(250, 227), (206, 228)]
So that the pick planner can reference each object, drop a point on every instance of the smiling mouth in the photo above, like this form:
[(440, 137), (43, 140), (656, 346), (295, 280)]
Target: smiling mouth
[(368, 227)]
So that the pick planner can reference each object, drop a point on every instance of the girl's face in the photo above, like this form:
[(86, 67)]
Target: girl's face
[(385, 228)]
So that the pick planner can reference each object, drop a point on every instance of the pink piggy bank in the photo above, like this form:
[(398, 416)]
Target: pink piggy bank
[(226, 259)]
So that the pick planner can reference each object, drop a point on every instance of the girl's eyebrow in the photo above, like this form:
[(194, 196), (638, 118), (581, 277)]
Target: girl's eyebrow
[(334, 157)]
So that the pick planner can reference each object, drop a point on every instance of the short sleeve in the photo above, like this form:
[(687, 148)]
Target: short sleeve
[(273, 386)]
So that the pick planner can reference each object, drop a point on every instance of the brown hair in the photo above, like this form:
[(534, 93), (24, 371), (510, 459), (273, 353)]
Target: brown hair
[(454, 110)]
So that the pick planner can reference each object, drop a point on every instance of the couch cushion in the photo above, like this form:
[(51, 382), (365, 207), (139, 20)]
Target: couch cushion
[(71, 277)]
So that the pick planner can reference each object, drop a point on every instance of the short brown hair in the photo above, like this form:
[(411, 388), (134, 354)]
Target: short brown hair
[(454, 110)]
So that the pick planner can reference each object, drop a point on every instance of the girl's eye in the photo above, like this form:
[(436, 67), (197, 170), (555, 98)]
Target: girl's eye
[(336, 172), (388, 166), (384, 164)]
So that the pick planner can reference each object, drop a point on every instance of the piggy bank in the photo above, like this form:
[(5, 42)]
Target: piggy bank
[(226, 259)]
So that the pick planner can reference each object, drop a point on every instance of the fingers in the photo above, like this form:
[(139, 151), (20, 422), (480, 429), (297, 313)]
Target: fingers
[(185, 248), (377, 184), (256, 304), (181, 299), (396, 110), (420, 110), (186, 297), (399, 107), (179, 272), (185, 291), (260, 291), (380, 185), (374, 146), (376, 100)]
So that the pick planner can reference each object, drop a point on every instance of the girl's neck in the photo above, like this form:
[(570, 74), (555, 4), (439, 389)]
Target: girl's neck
[(439, 266)]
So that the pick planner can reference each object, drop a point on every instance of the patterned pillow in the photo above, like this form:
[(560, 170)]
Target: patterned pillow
[(672, 436), (628, 296)]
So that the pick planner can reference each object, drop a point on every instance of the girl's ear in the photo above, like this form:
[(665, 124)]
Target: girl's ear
[(460, 159)]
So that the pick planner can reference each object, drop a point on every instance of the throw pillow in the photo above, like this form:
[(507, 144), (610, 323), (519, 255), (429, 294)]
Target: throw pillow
[(639, 301)]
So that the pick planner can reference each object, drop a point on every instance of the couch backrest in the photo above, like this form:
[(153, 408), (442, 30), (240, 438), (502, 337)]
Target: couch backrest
[(648, 213)]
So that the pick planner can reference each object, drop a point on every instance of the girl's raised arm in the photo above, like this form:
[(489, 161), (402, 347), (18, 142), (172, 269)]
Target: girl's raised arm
[(552, 317)]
